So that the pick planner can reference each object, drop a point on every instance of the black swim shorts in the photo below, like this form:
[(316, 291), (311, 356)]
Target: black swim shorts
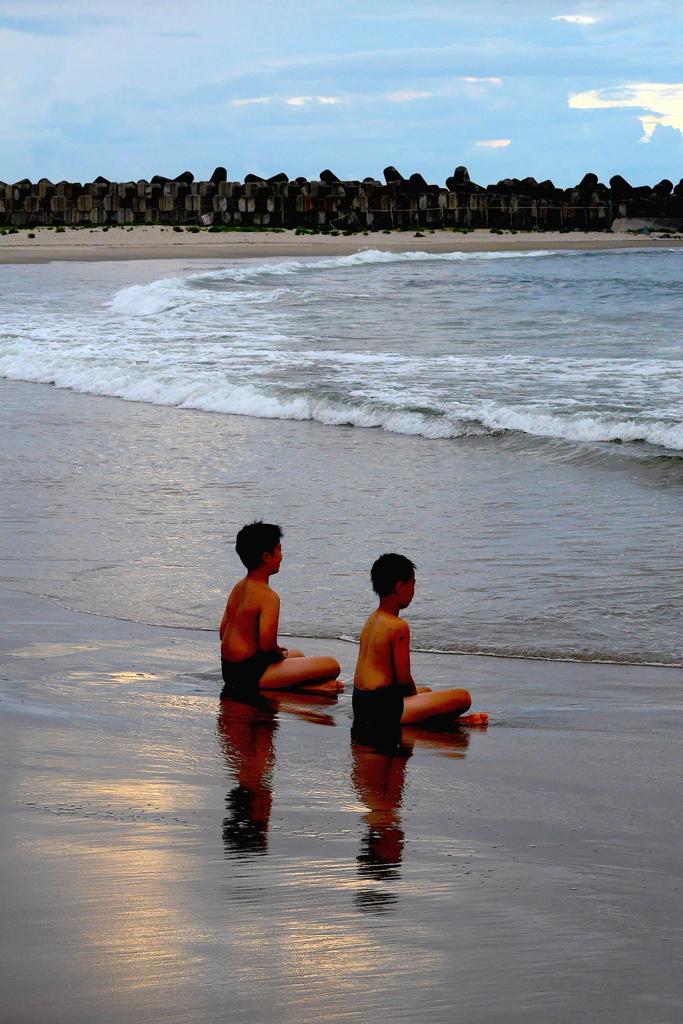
[(246, 674), (378, 709)]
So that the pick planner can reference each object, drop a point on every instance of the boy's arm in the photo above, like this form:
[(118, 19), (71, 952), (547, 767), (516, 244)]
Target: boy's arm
[(268, 623), (221, 628), (400, 648)]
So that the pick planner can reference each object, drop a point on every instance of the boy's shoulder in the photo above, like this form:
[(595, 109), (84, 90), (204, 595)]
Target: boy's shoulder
[(391, 625), (400, 627), (254, 590)]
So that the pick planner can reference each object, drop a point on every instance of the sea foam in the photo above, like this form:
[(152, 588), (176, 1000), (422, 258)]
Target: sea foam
[(144, 300), (434, 345)]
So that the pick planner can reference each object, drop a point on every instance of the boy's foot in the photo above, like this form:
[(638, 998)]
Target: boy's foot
[(331, 686), (478, 719)]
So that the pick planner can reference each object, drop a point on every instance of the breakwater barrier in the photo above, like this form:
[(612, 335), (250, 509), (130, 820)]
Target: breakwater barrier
[(330, 203)]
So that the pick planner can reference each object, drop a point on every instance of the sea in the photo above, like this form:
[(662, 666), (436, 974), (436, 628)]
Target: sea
[(513, 422)]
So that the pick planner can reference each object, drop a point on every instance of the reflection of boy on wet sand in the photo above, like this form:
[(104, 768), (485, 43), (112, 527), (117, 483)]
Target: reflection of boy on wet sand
[(247, 726), (384, 693), (251, 657), (248, 731), (378, 777)]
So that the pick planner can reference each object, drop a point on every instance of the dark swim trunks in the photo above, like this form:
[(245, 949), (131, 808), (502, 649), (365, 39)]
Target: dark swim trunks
[(377, 709), (246, 674)]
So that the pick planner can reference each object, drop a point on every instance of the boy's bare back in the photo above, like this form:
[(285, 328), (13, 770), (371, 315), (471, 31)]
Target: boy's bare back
[(384, 656), (251, 608)]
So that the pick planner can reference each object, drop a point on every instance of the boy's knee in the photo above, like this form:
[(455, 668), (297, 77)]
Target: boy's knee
[(333, 665)]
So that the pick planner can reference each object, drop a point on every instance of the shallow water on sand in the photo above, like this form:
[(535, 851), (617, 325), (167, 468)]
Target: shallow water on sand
[(524, 546)]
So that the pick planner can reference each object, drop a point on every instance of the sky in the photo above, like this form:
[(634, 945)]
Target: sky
[(509, 88)]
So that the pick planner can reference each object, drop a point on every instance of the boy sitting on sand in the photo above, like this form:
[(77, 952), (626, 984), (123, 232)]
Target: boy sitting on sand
[(250, 654), (384, 693)]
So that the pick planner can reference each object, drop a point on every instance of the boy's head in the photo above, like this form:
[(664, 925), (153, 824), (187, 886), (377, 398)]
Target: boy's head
[(388, 570), (255, 540)]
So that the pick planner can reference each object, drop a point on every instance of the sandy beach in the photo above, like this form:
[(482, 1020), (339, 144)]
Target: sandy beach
[(147, 243), (166, 861)]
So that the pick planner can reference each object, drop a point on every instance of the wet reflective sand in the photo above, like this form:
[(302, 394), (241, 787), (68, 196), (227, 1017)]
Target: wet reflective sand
[(169, 858)]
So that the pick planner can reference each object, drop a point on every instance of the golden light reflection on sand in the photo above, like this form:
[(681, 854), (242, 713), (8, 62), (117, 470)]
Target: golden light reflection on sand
[(343, 955), (125, 920)]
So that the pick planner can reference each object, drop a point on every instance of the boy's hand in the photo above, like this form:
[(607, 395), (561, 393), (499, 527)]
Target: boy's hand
[(283, 651)]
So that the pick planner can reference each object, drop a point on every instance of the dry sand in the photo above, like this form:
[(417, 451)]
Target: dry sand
[(155, 242)]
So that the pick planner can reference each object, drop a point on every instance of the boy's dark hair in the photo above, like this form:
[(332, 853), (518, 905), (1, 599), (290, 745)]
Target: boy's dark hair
[(254, 540), (388, 570)]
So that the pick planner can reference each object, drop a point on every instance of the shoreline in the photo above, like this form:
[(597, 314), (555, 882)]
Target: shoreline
[(353, 642), (147, 243), (498, 684)]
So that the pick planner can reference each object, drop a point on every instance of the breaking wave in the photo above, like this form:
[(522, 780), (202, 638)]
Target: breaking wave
[(398, 341)]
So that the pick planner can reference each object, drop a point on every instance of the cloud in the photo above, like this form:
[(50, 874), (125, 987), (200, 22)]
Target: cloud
[(394, 71), (407, 94), (298, 101), (575, 19), (664, 101), (494, 143), (135, 100)]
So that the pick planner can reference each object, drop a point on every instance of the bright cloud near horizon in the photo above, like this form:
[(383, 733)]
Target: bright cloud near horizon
[(510, 88), (665, 103)]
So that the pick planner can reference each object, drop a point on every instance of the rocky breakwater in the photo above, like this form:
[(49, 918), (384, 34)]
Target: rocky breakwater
[(329, 204)]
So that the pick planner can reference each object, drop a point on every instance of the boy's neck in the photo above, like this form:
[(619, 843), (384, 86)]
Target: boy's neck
[(390, 605), (260, 575)]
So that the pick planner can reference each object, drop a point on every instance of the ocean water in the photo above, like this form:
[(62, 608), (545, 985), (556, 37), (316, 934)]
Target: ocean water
[(518, 430), (579, 346)]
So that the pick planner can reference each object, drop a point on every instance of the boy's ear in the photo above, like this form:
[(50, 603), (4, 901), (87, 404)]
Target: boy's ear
[(400, 585)]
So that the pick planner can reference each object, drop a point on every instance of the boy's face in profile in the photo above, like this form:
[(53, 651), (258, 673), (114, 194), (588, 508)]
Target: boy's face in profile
[(274, 560), (405, 592)]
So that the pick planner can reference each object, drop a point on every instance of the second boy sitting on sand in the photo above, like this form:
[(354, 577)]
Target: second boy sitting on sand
[(251, 657), (384, 693)]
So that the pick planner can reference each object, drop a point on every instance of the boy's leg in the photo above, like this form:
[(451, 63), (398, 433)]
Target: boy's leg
[(319, 674), (440, 702)]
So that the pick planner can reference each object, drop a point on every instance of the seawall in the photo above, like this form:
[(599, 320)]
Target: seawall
[(329, 204)]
